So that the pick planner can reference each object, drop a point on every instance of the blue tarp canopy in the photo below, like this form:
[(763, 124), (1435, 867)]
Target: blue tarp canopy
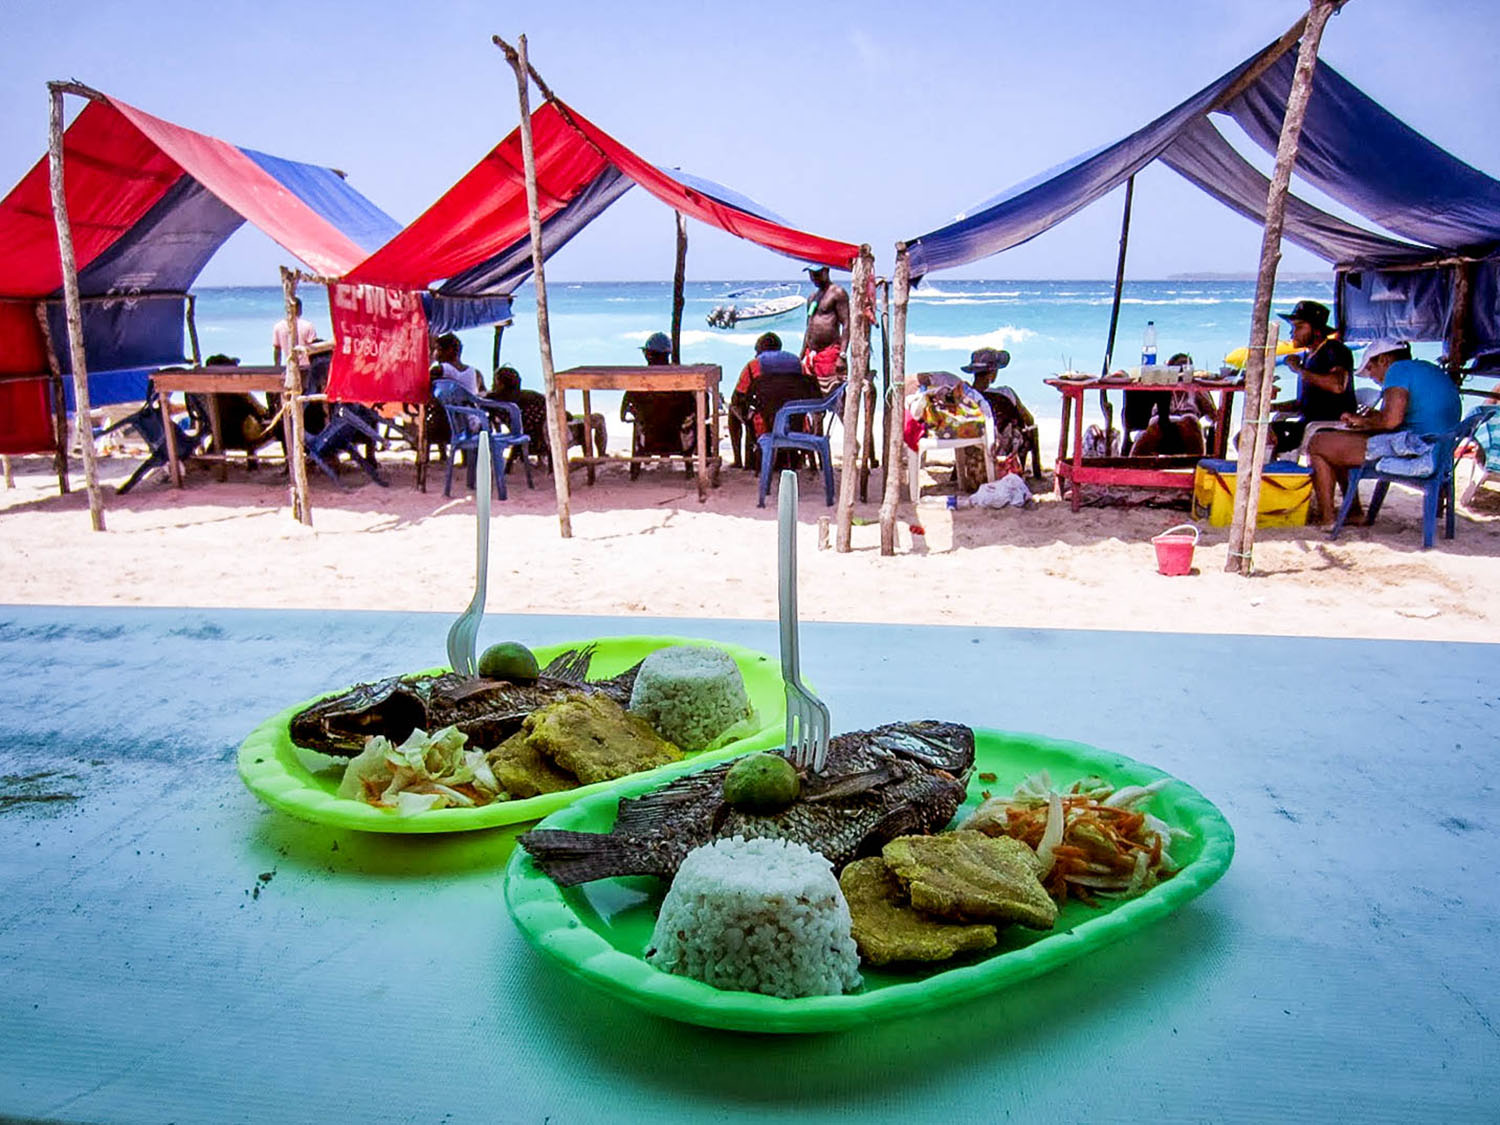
[(1432, 207)]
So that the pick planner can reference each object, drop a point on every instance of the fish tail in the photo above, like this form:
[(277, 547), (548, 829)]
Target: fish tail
[(569, 858)]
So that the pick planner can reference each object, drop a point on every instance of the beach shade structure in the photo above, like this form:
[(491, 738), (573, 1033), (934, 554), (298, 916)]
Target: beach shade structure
[(532, 193), (1426, 268), (146, 203)]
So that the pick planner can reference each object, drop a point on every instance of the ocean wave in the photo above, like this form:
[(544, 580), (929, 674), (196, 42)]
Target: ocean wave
[(692, 337), (999, 338), (946, 296)]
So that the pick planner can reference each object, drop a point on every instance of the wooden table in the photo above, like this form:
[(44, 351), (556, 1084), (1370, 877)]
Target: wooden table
[(700, 378), (1170, 471), (213, 381)]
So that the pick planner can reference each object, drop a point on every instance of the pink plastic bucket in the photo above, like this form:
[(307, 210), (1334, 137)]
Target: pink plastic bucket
[(1174, 551)]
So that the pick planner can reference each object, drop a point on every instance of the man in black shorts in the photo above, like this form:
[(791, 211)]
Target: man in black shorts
[(1325, 389)]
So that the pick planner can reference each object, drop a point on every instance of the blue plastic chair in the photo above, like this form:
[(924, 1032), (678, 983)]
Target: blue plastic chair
[(350, 429), (782, 436), (1484, 446), (147, 422), (472, 419), (1437, 487)]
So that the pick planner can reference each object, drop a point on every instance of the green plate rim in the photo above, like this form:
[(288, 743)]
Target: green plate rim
[(550, 925), (268, 766)]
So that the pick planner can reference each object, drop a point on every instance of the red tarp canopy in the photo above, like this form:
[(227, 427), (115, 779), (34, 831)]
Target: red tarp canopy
[(485, 212)]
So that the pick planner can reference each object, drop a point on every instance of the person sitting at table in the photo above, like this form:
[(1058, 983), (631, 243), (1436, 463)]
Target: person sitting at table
[(1418, 398), (447, 354), (533, 407), (781, 379), (1014, 426), (243, 422), (1184, 411), (741, 414), (1325, 387), (665, 422)]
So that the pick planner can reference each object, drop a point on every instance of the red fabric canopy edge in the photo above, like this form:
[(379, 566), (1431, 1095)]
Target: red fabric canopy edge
[(485, 211), (784, 240)]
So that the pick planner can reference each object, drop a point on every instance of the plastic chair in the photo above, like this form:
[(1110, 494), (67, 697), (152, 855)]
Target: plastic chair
[(925, 445), (1437, 487), (1484, 447), (472, 419), (147, 422), (349, 428), (782, 436)]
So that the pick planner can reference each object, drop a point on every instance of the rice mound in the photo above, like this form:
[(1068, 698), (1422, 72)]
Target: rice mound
[(758, 916), (691, 694)]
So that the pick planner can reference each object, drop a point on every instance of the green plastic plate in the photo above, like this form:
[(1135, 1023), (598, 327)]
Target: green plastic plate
[(304, 782), (598, 931)]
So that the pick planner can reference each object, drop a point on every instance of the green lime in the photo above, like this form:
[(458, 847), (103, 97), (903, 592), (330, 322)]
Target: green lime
[(761, 784), (509, 660)]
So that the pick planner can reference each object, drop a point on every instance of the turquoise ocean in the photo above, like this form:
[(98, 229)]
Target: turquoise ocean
[(1047, 326)]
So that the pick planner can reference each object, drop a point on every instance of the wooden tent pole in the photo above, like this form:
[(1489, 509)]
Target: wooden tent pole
[(1458, 314), (78, 362), (59, 401), (867, 458), (679, 279), (895, 443), (860, 315), (296, 430), (1259, 361), (1114, 310), (192, 327), (557, 431)]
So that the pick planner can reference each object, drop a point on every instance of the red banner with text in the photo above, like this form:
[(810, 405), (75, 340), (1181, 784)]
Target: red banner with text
[(380, 349)]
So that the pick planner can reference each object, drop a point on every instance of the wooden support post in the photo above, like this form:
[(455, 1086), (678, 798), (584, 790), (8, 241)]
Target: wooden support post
[(1114, 324), (679, 280), (1457, 317), (192, 327), (59, 401), (78, 362), (495, 351), (895, 444), (1246, 501), (557, 430), (861, 313), (296, 439), (10, 479)]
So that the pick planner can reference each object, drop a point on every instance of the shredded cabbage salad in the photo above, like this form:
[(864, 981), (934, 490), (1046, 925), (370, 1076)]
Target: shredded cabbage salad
[(424, 772)]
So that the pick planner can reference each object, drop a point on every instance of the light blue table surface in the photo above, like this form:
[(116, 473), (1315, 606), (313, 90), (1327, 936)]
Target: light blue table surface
[(172, 950)]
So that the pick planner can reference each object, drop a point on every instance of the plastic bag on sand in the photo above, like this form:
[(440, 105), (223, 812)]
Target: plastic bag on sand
[(1009, 491)]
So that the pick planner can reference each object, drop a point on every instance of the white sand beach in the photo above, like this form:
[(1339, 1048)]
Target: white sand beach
[(649, 547)]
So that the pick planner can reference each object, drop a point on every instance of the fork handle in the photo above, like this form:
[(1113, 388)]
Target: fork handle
[(786, 513)]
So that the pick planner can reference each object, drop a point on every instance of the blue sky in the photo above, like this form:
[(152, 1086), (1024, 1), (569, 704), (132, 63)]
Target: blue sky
[(863, 121)]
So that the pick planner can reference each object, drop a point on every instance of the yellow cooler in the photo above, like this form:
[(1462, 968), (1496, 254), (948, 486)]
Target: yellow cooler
[(1285, 493)]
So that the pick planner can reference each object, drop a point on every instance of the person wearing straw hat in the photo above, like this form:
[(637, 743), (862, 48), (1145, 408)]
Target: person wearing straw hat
[(1325, 388), (1417, 399)]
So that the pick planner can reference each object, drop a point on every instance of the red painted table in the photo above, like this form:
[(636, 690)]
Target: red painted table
[(1171, 472)]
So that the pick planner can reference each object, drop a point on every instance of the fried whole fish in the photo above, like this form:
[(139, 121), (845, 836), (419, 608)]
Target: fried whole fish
[(488, 711), (895, 780)]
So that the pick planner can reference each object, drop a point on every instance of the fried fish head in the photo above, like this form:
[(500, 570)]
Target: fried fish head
[(888, 929), (968, 876)]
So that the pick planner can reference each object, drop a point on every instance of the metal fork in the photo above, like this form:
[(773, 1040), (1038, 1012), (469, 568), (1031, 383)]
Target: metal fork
[(807, 720), (464, 632)]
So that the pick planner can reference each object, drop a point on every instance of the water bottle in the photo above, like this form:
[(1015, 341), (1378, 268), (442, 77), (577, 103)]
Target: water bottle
[(1148, 345)]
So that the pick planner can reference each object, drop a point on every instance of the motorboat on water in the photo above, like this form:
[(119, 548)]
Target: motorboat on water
[(758, 303)]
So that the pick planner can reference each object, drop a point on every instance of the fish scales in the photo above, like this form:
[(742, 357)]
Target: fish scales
[(900, 779)]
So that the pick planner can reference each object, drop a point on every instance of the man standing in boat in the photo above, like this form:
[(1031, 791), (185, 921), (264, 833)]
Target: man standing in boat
[(827, 334)]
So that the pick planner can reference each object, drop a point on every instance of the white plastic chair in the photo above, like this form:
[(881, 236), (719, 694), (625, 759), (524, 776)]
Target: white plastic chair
[(927, 444), (1364, 397)]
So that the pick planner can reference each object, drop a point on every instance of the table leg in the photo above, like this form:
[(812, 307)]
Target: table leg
[(1062, 444), (169, 431), (588, 435), (216, 429), (700, 398), (1221, 424), (1077, 451)]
